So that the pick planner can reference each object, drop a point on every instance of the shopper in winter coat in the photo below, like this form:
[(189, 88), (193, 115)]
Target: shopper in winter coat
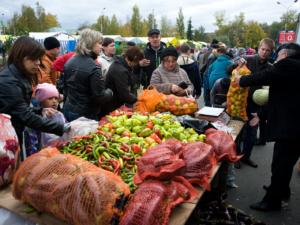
[(119, 79), (84, 87), (152, 54), (168, 76), (190, 66), (46, 72), (219, 67), (16, 82), (106, 57), (283, 122)]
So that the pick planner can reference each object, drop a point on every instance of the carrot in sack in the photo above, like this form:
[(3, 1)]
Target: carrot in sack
[(237, 96)]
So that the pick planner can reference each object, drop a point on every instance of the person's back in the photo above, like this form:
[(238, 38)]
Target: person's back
[(218, 93)]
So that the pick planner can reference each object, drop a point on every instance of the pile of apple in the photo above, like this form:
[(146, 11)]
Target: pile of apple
[(177, 105), (237, 96)]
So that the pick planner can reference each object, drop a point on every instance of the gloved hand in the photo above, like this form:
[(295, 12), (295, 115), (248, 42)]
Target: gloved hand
[(67, 127)]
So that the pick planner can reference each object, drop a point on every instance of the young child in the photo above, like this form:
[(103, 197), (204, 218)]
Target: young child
[(47, 97)]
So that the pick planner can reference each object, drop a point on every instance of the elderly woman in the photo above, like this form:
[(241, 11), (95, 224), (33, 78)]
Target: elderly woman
[(84, 86), (169, 78), (16, 82)]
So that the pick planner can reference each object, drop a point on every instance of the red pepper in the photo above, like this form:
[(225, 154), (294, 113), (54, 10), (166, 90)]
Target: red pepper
[(116, 165), (155, 138), (125, 147), (150, 124), (136, 149)]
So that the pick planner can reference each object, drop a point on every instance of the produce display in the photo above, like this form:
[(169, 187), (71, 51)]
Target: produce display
[(70, 188), (177, 105), (160, 198), (223, 145), (193, 161), (261, 96), (123, 137), (237, 96)]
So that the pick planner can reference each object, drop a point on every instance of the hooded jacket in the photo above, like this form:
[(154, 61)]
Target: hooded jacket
[(154, 57)]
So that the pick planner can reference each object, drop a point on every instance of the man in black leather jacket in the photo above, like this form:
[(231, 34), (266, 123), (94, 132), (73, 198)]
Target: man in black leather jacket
[(84, 86)]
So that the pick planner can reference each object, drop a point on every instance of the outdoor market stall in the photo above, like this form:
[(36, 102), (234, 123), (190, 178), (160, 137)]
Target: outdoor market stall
[(127, 142)]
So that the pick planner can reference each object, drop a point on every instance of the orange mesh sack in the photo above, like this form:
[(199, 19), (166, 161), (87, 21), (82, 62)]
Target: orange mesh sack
[(177, 105), (9, 150), (237, 96), (148, 100), (70, 188)]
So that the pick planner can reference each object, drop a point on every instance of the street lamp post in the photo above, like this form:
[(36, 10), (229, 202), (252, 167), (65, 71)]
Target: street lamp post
[(102, 17), (285, 22)]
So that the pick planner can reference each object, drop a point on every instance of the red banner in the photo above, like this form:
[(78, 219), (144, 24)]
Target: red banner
[(287, 37)]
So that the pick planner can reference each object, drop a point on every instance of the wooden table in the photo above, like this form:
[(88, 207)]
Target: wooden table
[(179, 215)]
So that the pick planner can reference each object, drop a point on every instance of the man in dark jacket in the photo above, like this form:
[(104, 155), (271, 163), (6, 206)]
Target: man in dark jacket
[(119, 79), (256, 63), (152, 53), (283, 122)]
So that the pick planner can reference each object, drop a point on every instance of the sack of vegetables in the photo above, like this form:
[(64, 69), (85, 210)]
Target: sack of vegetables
[(177, 105), (70, 188), (237, 96)]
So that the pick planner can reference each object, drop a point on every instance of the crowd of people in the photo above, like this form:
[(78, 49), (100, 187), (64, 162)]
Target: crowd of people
[(43, 92)]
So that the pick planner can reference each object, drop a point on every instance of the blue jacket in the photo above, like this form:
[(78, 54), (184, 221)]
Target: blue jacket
[(218, 69)]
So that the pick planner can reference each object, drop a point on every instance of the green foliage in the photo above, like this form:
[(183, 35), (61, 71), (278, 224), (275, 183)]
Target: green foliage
[(135, 22), (151, 22), (180, 24), (30, 20), (253, 34), (200, 35), (189, 32)]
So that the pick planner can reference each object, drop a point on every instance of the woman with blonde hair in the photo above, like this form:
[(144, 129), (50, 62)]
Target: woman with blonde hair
[(84, 87)]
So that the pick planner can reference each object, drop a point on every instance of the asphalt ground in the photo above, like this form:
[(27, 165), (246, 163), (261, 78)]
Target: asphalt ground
[(251, 180)]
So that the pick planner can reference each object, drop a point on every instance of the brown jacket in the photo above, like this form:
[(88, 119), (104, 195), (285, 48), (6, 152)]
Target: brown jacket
[(46, 72)]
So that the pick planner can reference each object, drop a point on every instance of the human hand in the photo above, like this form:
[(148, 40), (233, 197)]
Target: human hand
[(175, 89), (144, 62), (241, 62), (48, 112), (254, 121)]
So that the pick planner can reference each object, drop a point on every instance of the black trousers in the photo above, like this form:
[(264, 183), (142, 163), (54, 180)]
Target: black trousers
[(285, 156)]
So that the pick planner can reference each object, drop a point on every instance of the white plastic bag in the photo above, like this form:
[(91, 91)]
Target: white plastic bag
[(80, 127), (9, 150)]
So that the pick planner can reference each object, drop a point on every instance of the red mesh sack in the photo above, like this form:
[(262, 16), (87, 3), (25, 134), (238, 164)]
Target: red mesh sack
[(153, 201), (237, 96), (223, 145), (177, 105), (160, 162), (70, 188), (9, 150), (200, 161)]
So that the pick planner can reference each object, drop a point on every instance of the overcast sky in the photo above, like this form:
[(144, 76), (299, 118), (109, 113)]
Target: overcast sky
[(72, 13)]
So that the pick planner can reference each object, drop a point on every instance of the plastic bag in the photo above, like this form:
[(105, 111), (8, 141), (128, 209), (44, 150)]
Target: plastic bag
[(9, 150), (177, 105), (237, 96), (148, 100), (80, 127), (197, 124)]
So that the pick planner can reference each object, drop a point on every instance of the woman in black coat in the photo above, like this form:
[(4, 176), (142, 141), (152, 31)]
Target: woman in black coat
[(16, 82), (119, 78), (283, 122), (84, 86)]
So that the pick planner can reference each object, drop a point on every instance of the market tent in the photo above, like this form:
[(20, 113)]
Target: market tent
[(117, 38), (137, 40), (67, 41)]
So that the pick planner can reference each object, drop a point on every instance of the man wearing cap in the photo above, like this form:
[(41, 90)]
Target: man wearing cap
[(47, 73), (152, 54)]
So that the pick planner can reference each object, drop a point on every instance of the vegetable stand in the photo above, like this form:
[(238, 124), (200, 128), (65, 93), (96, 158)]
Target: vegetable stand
[(178, 217)]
